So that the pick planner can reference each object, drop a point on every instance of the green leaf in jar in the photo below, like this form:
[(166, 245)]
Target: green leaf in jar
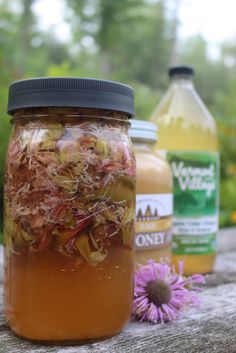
[(50, 137), (127, 235), (128, 216), (46, 157), (66, 183), (9, 233), (78, 168), (21, 238), (97, 257), (102, 148), (127, 227), (123, 190), (82, 245), (109, 215), (26, 236), (69, 152)]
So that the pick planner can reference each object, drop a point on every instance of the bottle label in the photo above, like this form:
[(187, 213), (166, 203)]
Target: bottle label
[(196, 201), (153, 220)]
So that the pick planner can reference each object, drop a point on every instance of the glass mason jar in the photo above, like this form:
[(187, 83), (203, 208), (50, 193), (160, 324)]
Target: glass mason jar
[(154, 199), (69, 209)]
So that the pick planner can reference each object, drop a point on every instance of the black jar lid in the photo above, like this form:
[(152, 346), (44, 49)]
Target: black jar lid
[(181, 70), (70, 92)]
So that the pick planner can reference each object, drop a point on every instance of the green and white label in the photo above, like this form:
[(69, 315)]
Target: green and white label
[(196, 201)]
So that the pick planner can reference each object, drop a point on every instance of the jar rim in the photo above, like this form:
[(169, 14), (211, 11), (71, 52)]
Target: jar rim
[(32, 116), (143, 130)]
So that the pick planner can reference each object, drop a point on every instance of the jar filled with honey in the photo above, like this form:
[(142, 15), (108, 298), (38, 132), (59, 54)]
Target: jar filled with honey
[(69, 209), (154, 199)]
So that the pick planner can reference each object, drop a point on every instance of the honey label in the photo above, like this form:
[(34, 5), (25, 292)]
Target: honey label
[(196, 201), (153, 220)]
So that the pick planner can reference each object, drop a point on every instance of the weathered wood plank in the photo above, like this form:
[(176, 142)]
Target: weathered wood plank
[(212, 328), (227, 239)]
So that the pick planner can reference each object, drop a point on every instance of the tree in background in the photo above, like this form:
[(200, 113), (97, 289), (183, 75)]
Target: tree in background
[(131, 37), (106, 23)]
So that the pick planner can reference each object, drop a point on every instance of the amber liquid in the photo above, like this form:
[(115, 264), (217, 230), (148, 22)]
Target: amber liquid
[(186, 125), (51, 297)]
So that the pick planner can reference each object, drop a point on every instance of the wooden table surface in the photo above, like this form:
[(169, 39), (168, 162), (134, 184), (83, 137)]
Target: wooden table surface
[(210, 329)]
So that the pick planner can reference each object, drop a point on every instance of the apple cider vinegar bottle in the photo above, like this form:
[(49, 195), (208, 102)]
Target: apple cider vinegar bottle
[(188, 139)]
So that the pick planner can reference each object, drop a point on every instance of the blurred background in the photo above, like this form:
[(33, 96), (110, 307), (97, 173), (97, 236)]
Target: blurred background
[(133, 41)]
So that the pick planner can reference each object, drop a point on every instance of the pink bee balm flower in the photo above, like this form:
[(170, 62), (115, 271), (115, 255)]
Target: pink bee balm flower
[(160, 293)]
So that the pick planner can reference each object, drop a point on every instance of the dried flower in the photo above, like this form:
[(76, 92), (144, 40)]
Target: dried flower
[(160, 293), (69, 186)]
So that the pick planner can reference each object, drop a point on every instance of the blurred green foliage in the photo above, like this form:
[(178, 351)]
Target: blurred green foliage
[(134, 41)]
